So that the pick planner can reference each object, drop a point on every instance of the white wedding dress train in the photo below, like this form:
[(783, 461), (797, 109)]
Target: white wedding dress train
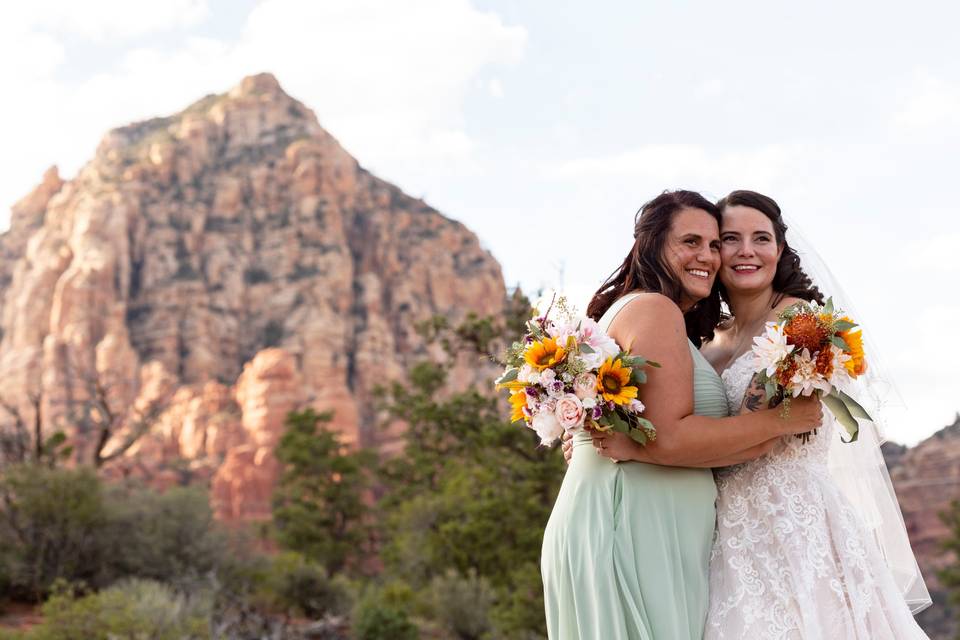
[(791, 560)]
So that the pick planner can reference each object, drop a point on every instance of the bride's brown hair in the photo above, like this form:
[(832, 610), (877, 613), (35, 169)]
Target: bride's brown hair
[(790, 278), (644, 268)]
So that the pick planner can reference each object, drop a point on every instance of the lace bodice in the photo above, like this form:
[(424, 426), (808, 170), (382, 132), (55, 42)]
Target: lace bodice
[(790, 559), (736, 378)]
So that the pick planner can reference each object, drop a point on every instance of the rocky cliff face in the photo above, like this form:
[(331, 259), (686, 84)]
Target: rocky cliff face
[(927, 478), (234, 240)]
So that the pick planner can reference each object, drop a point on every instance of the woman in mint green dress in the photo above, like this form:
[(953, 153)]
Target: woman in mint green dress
[(626, 550)]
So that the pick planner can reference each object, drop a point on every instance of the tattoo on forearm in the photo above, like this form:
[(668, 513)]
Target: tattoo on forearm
[(756, 398)]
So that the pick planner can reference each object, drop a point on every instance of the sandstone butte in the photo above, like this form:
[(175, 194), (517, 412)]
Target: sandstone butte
[(208, 272)]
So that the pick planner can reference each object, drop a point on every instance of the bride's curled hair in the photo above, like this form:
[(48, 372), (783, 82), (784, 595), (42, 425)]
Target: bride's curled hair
[(644, 268), (790, 278)]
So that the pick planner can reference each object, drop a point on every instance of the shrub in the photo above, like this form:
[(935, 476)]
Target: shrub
[(375, 620), (462, 604), (133, 609), (51, 526), (303, 587), (171, 536), (256, 275)]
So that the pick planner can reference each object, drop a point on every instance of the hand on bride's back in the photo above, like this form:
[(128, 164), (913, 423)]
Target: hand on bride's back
[(804, 414)]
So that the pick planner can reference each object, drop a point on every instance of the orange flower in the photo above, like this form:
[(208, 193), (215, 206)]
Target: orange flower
[(785, 372), (518, 400), (544, 354), (824, 365), (807, 332), (857, 364), (613, 382)]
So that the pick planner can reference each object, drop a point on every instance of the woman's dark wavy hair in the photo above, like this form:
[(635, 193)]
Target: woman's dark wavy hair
[(790, 278), (644, 268)]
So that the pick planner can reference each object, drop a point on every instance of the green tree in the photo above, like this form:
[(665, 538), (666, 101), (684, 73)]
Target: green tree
[(319, 504), (471, 493)]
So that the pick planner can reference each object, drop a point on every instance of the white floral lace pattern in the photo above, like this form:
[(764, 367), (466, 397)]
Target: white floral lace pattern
[(791, 560)]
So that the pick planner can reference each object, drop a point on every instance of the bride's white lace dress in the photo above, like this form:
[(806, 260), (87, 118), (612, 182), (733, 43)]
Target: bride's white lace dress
[(791, 560)]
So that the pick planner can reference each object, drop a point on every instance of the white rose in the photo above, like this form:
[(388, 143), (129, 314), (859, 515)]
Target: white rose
[(585, 386), (547, 427), (547, 376), (592, 360), (528, 374), (589, 403), (569, 411)]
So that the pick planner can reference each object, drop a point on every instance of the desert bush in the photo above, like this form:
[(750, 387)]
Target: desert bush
[(373, 619), (140, 609), (170, 537), (51, 526), (462, 604)]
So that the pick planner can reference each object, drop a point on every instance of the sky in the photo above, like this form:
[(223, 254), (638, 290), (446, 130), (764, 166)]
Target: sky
[(544, 125)]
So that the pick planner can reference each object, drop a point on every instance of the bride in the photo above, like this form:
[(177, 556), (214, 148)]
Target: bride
[(810, 544)]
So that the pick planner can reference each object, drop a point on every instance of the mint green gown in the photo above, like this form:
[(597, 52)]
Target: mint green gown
[(627, 548)]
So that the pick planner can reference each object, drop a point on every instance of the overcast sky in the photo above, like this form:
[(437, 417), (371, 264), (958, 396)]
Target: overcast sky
[(543, 125)]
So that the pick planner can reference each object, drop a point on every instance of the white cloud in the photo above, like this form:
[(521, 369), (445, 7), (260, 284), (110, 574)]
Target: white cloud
[(100, 19), (692, 166), (387, 79), (931, 104)]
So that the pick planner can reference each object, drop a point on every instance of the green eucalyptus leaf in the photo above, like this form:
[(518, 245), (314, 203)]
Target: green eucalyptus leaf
[(840, 411), (770, 389), (840, 342), (855, 408), (618, 423), (508, 376)]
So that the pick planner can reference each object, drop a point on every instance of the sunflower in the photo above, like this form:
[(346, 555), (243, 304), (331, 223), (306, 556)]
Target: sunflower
[(518, 400), (807, 332), (857, 363), (613, 382), (544, 354)]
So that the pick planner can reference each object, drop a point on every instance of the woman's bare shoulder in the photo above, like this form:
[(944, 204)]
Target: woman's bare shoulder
[(652, 307)]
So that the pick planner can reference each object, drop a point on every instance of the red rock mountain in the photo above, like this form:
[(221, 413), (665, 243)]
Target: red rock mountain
[(206, 273), (927, 478)]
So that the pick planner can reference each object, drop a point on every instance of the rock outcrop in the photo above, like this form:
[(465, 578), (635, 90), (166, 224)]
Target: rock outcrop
[(235, 237), (927, 478)]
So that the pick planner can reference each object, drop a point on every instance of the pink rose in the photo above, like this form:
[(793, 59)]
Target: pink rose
[(569, 411), (585, 386)]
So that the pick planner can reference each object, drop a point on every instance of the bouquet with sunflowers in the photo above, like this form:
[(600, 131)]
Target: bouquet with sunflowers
[(813, 349), (569, 374)]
